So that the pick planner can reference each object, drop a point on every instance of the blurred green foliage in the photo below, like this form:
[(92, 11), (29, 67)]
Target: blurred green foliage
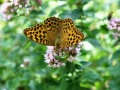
[(99, 66)]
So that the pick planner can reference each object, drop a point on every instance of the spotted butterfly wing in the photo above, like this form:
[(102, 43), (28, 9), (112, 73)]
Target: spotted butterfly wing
[(38, 34), (69, 35), (45, 33), (52, 27)]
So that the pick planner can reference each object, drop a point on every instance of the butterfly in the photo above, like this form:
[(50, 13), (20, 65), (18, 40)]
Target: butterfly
[(57, 32)]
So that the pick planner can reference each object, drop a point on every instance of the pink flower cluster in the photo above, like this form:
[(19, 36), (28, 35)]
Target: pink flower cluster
[(9, 7), (58, 58), (6, 10), (114, 24)]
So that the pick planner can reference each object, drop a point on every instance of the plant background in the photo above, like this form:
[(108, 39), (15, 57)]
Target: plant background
[(99, 67)]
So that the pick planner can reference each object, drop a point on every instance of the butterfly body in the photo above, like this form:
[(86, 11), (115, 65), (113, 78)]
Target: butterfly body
[(55, 32)]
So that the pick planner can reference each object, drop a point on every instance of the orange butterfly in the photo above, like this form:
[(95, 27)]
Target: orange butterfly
[(56, 32)]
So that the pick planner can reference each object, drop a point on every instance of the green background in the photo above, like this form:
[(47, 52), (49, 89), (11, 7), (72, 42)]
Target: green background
[(99, 67)]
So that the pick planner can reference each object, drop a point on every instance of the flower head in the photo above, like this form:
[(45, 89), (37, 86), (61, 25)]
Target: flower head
[(114, 24), (58, 58), (50, 57), (8, 8)]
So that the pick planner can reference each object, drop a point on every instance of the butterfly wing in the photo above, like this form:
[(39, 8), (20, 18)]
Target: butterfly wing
[(38, 34), (69, 35), (52, 27), (45, 33)]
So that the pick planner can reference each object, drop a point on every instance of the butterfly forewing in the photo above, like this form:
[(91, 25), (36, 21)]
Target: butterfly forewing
[(45, 33), (38, 34)]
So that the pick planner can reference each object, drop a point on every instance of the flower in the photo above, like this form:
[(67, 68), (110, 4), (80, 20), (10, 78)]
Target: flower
[(58, 58), (6, 10), (114, 24), (50, 58)]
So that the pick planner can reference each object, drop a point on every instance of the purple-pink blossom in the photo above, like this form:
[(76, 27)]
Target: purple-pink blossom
[(59, 58), (8, 8), (114, 25)]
